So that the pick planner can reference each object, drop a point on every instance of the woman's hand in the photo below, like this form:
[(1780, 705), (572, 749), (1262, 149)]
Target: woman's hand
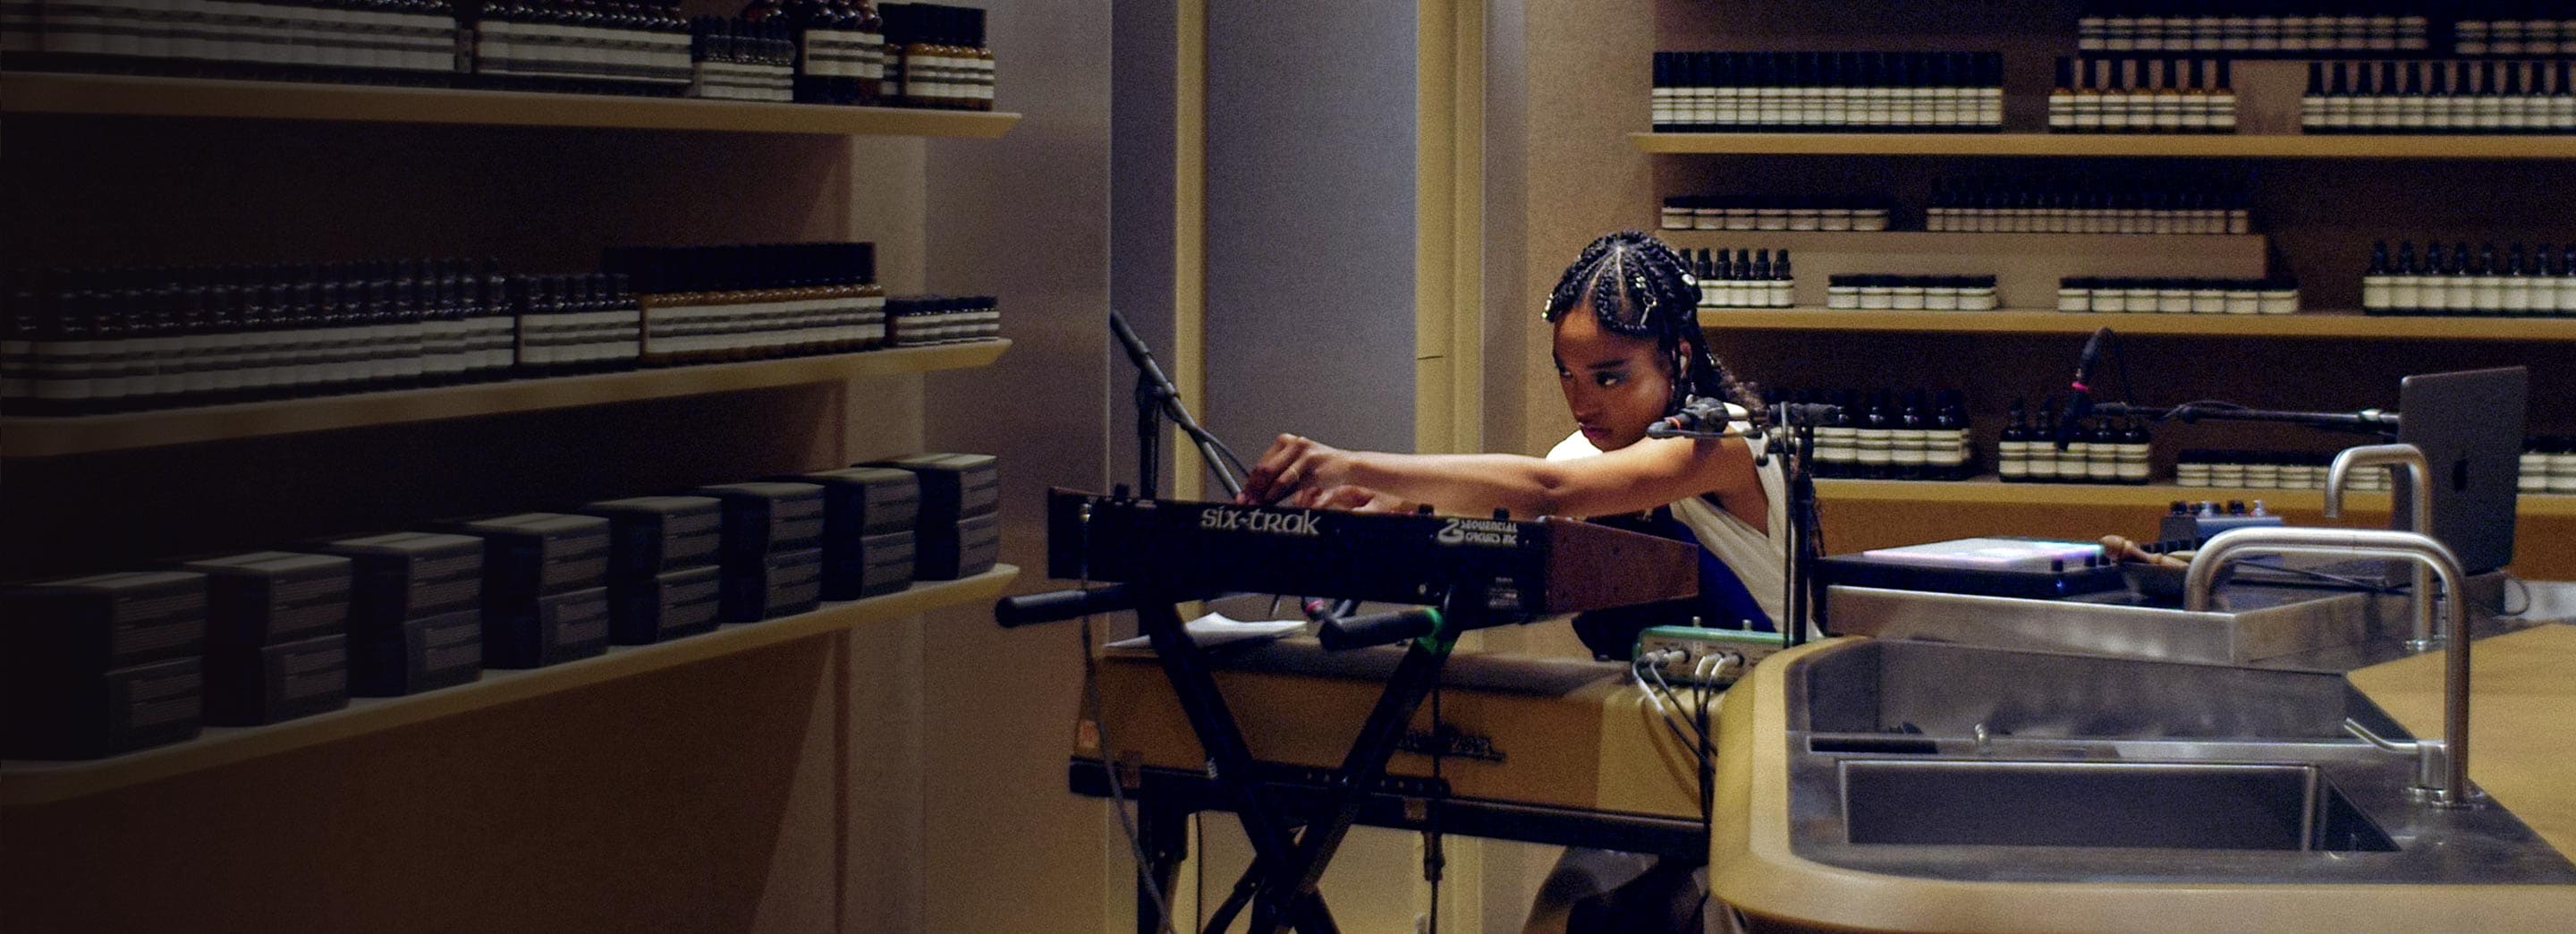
[(1349, 498), (1293, 464)]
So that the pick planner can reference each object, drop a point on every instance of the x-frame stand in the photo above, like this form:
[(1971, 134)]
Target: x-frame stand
[(1279, 886)]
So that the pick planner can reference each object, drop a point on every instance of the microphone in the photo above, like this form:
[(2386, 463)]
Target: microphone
[(2080, 403), (1700, 417), (1135, 346)]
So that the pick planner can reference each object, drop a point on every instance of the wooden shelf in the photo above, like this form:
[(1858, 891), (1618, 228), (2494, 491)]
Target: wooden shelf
[(30, 93), (30, 782), (2313, 324), (1950, 242), (2236, 146), (23, 437), (1990, 491)]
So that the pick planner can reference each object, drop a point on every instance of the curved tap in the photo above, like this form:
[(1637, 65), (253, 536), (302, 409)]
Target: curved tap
[(2419, 475), (2407, 456), (2442, 765)]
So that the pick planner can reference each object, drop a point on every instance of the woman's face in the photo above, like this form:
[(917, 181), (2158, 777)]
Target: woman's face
[(1614, 384)]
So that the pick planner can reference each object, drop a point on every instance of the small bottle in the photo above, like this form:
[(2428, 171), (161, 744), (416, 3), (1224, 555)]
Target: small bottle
[(2378, 281), (1950, 456), (2136, 449), (2406, 285), (1910, 441), (2546, 282), (2312, 104), (2061, 98), (2012, 447), (2487, 292), (1783, 282), (2460, 286), (2517, 282), (2102, 463), (2075, 461), (1877, 437)]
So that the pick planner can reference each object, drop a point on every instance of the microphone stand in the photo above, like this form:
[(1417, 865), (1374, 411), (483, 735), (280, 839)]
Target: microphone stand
[(1158, 399), (2380, 422), (1795, 439)]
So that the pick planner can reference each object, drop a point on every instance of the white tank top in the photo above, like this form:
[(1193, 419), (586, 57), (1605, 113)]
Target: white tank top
[(1752, 553)]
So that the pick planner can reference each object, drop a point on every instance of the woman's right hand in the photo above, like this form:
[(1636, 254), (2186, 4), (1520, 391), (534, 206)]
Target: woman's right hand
[(1349, 498), (1294, 463)]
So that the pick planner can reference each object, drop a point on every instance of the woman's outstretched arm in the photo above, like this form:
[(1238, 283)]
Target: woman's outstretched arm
[(1635, 478)]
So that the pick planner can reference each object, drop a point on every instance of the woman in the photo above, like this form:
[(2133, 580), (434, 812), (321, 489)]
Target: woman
[(1629, 353)]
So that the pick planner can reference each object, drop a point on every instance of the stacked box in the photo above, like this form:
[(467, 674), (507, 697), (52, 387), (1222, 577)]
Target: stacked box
[(959, 531), (276, 636), (545, 595), (99, 665), (663, 581), (772, 555), (868, 513), (415, 611)]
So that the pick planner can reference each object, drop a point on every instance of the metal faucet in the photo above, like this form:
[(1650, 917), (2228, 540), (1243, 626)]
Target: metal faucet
[(2441, 765), (2418, 519)]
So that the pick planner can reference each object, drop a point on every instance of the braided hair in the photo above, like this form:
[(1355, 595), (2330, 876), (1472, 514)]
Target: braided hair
[(1638, 287)]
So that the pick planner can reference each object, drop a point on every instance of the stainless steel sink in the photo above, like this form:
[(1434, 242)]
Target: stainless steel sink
[(1962, 762), (2206, 806)]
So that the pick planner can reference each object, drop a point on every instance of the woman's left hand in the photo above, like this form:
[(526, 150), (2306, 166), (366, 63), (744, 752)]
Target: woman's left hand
[(1295, 463)]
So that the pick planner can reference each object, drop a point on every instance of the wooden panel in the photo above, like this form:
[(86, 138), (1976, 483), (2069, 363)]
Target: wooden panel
[(93, 191), (691, 799), (282, 100)]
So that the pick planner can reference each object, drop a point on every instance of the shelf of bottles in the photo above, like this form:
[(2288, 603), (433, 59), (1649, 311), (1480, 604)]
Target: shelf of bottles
[(2512, 282), (2305, 324), (911, 69), (115, 359)]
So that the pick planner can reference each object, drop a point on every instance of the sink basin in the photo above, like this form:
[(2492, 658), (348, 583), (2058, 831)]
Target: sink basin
[(1929, 689), (2210, 806), (1976, 763)]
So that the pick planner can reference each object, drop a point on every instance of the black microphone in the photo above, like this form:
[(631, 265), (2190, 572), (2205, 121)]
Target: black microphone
[(1700, 417), (1136, 352), (2080, 403)]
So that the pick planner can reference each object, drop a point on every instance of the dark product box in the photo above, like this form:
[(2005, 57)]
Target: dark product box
[(953, 486), (538, 553), (963, 548), (866, 501), (409, 575), (82, 627), (101, 715), (555, 629), (418, 655), (649, 535), (268, 597), (665, 606), (867, 566), (266, 684), (764, 517), (781, 584)]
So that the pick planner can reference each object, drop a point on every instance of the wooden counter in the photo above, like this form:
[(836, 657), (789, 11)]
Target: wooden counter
[(2520, 741)]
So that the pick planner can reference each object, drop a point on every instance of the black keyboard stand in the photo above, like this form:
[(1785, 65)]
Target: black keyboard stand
[(1279, 886)]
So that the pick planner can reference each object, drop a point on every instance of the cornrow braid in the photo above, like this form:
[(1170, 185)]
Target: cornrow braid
[(1638, 287)]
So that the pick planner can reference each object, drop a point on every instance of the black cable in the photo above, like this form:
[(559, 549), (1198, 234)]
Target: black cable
[(1108, 768), (1435, 863)]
